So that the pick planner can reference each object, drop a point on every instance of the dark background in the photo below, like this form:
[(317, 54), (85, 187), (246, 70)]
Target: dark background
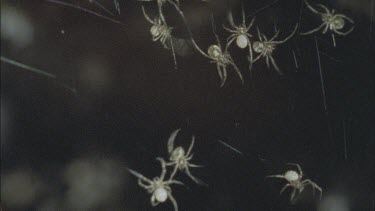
[(129, 98)]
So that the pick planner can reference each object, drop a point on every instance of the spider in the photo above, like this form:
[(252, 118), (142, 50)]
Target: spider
[(160, 189), (266, 47), (296, 182), (222, 60), (239, 33), (331, 21), (160, 31), (179, 159)]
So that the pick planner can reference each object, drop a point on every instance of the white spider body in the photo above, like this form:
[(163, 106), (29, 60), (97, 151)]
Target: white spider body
[(291, 176), (265, 48), (295, 181), (179, 159), (158, 187), (331, 21), (241, 41), (160, 194)]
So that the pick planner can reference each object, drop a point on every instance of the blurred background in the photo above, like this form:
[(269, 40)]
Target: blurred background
[(66, 141)]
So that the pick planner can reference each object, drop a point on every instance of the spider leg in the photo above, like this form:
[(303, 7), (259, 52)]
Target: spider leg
[(275, 65), (230, 42), (265, 38), (287, 38), (250, 54), (140, 176), (178, 2), (175, 182), (276, 176), (284, 188), (163, 168), (243, 14), (325, 9), (153, 201), (251, 23), (312, 8), (267, 62), (313, 185), (146, 16), (160, 8), (314, 30), (237, 71), (173, 201), (196, 180), (333, 39), (194, 165), (326, 29), (345, 17), (225, 75), (220, 72), (231, 37), (171, 139), (298, 166), (228, 29), (173, 53), (190, 157), (140, 183), (259, 35), (191, 146), (344, 33), (275, 36), (257, 58), (230, 19), (214, 30), (176, 6), (292, 196), (173, 172)]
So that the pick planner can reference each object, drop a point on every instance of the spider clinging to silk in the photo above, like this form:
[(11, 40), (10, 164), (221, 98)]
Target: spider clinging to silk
[(239, 33), (162, 32), (181, 159), (265, 47), (158, 187), (295, 181), (331, 21), (222, 60)]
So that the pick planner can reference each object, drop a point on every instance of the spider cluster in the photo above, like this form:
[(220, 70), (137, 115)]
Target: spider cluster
[(260, 47), (179, 160)]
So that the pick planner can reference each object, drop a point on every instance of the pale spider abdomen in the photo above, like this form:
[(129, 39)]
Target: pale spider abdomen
[(161, 194), (155, 31), (214, 51), (258, 47), (291, 176), (177, 154), (161, 32), (338, 23), (241, 41)]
